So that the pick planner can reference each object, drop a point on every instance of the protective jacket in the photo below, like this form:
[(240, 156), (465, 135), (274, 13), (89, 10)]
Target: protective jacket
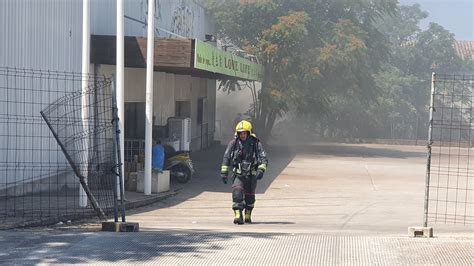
[(244, 157)]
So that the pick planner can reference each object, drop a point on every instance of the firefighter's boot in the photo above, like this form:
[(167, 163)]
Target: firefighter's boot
[(238, 218), (248, 216)]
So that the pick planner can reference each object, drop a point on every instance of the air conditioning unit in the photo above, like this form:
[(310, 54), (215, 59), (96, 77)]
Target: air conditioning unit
[(180, 128)]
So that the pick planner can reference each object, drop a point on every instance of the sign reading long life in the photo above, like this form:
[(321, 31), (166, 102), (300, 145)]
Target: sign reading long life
[(209, 58)]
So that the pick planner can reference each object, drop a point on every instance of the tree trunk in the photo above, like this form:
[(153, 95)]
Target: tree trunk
[(270, 123), (265, 119)]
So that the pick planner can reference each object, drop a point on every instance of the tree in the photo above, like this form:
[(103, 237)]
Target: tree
[(435, 51), (401, 110), (402, 27), (402, 83), (313, 51)]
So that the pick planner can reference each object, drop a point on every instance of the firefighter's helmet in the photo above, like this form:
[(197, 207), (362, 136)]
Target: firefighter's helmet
[(242, 126)]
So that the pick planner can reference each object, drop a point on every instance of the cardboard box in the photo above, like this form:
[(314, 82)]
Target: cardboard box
[(131, 182)]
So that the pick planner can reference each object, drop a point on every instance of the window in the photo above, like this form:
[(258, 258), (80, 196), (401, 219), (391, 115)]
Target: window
[(134, 120)]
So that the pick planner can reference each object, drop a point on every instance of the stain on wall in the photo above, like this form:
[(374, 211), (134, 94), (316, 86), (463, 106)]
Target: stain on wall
[(182, 20)]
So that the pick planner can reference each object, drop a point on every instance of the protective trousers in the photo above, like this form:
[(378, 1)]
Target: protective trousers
[(243, 192)]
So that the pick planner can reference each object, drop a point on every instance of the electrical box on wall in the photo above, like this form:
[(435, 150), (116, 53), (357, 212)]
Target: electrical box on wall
[(180, 128)]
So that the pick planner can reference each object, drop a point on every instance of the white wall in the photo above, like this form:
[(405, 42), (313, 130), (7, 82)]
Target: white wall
[(183, 88), (163, 97), (169, 88), (184, 17), (134, 81), (163, 92), (43, 35), (47, 35)]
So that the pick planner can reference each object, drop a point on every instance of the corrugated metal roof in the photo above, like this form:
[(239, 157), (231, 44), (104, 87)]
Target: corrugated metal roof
[(465, 49)]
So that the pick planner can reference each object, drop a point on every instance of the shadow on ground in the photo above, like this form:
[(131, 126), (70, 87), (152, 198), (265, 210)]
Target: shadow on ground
[(207, 164), (40, 247), (207, 178)]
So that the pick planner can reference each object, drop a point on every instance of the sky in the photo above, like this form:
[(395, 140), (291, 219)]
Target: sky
[(457, 16)]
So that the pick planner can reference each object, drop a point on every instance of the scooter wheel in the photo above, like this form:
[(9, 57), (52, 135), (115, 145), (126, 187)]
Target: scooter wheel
[(184, 174)]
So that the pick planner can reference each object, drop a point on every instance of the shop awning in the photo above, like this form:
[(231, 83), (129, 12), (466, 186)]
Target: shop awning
[(180, 56)]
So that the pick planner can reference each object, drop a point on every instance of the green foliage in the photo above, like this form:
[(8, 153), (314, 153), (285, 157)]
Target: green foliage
[(435, 51), (404, 81), (353, 68), (241, 23), (402, 27), (312, 51)]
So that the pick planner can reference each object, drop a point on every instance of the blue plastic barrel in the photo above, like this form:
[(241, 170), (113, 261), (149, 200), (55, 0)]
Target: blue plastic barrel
[(158, 157)]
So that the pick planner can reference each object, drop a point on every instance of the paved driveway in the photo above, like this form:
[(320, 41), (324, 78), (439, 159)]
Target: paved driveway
[(366, 189), (319, 204)]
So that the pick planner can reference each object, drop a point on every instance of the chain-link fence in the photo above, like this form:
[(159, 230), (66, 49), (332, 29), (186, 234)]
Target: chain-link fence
[(56, 133), (450, 172)]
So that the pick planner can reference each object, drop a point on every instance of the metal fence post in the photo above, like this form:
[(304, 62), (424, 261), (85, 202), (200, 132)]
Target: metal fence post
[(117, 153), (116, 157), (430, 142)]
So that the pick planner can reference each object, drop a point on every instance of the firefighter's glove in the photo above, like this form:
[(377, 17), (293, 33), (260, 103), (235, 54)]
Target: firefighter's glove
[(224, 178), (259, 174)]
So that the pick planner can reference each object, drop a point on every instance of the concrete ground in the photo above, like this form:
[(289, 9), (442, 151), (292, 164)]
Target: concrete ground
[(318, 204)]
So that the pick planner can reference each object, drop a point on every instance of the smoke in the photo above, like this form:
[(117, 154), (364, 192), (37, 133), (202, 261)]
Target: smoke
[(231, 108)]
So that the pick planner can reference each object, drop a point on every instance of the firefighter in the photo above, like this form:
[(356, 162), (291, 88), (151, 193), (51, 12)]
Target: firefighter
[(246, 160)]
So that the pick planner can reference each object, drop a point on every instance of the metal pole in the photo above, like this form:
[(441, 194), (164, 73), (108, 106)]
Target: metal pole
[(117, 155), (120, 178), (116, 141), (416, 129), (85, 85), (149, 96), (90, 196), (430, 142), (120, 75)]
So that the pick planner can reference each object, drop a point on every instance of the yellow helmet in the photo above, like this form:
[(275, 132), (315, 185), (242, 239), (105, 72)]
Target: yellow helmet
[(243, 125)]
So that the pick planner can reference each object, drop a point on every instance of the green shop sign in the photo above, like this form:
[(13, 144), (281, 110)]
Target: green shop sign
[(209, 58)]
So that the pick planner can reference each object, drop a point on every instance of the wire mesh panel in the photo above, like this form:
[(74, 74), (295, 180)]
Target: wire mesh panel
[(451, 171), (43, 158)]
